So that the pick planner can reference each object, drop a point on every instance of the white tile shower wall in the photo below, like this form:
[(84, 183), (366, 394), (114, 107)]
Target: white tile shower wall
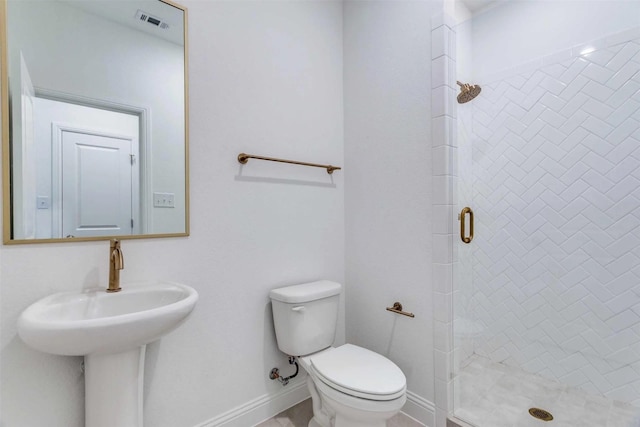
[(556, 154), (444, 156)]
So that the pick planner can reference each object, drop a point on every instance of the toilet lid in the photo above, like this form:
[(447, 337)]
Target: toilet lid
[(360, 372)]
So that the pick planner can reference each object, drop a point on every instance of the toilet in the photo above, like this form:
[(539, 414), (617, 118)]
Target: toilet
[(350, 386)]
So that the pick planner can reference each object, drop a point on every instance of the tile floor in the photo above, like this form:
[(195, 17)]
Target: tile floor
[(491, 394), (299, 416)]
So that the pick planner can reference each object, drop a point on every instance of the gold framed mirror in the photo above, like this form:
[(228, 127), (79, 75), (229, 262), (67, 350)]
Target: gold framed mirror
[(95, 140)]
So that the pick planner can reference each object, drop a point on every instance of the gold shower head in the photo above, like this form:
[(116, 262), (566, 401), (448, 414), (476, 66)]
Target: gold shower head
[(467, 92)]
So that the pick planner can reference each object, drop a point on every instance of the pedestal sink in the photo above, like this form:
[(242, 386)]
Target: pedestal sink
[(111, 331)]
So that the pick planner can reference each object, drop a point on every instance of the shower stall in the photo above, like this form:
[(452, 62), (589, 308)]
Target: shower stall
[(546, 165)]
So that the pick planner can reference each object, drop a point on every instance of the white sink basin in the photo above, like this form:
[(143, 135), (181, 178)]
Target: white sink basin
[(96, 322), (111, 331)]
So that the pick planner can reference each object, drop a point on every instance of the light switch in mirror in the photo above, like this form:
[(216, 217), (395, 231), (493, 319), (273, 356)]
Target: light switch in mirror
[(95, 119)]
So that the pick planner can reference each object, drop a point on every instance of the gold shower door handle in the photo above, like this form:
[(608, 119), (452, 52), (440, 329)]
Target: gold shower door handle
[(462, 217)]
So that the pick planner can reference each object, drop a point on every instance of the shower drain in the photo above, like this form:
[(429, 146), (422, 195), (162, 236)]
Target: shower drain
[(541, 414)]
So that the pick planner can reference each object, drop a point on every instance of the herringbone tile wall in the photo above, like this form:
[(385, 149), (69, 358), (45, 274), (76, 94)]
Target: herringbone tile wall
[(556, 195)]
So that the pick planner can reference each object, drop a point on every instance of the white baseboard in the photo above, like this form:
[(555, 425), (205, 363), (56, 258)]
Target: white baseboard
[(420, 409), (257, 410), (268, 405)]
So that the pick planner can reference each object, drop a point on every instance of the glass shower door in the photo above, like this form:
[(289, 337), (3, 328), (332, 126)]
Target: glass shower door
[(547, 294)]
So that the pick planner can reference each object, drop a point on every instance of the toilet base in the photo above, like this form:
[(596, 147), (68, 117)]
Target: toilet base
[(332, 408), (345, 416)]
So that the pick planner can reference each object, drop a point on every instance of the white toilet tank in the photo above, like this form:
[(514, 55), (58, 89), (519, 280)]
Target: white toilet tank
[(305, 316)]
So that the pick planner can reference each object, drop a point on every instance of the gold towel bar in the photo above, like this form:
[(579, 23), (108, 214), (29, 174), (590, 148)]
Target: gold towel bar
[(244, 158), (397, 308)]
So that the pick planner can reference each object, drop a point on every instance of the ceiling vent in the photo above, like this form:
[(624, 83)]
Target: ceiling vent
[(143, 16)]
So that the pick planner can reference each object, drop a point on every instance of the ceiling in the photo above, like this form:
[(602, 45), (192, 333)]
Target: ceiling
[(123, 12)]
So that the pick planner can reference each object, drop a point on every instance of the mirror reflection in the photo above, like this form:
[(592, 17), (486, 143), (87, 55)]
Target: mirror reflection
[(97, 108)]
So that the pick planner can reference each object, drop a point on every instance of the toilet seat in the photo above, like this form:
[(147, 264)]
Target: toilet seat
[(358, 372), (359, 403)]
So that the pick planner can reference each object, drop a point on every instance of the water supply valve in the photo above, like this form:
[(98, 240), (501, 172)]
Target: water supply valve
[(275, 373)]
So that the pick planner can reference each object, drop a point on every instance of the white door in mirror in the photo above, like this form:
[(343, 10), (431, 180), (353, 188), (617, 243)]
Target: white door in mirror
[(97, 169), (88, 153), (24, 152)]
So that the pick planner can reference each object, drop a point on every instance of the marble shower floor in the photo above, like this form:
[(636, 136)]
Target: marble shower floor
[(490, 394)]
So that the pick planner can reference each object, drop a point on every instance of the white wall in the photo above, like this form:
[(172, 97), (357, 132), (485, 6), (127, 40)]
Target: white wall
[(388, 184), (516, 32), (265, 77), (50, 33)]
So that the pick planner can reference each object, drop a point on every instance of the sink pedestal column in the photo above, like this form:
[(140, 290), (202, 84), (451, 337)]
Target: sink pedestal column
[(114, 384)]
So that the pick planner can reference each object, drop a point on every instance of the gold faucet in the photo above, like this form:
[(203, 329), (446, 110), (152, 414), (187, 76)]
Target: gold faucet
[(116, 263)]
